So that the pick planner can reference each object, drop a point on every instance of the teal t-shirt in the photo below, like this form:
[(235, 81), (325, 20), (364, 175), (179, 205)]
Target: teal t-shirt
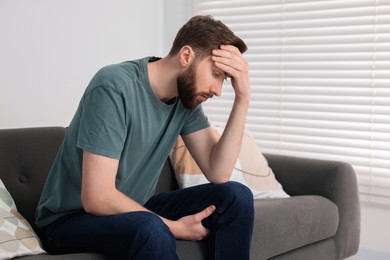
[(119, 117)]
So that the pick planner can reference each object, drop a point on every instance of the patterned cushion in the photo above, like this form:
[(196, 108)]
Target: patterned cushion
[(251, 169), (17, 238)]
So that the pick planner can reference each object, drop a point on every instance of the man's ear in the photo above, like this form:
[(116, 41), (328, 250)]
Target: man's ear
[(186, 55)]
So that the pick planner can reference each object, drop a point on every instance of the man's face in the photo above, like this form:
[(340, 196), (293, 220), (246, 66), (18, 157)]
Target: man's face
[(199, 82)]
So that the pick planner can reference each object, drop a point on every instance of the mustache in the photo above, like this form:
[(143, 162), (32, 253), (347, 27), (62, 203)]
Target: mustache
[(208, 95)]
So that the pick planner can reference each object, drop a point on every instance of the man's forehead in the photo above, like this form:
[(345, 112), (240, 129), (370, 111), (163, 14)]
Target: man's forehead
[(213, 66)]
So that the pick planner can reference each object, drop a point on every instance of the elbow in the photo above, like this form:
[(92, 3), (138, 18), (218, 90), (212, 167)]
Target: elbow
[(218, 178), (89, 206), (219, 181), (93, 204)]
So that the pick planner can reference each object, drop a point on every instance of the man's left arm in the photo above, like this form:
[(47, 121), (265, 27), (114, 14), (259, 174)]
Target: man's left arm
[(216, 158)]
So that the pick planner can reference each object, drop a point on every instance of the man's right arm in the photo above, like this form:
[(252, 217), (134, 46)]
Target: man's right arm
[(100, 196)]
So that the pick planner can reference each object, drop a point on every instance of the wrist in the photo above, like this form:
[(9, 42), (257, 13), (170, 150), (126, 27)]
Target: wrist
[(172, 225), (243, 99)]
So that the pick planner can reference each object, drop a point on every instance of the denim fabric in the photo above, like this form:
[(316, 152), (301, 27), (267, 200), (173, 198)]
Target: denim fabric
[(143, 235)]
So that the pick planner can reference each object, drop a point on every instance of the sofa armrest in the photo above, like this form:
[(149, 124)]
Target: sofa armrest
[(333, 180)]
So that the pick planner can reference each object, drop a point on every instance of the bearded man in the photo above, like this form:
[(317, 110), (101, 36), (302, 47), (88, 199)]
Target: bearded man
[(99, 195)]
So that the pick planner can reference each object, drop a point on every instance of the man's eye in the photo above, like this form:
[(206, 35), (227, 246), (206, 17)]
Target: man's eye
[(216, 74)]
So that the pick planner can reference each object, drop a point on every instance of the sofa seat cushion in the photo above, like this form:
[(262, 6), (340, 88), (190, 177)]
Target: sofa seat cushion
[(81, 256), (285, 224)]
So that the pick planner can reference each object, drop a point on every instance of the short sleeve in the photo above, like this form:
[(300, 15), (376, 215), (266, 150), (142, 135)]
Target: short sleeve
[(195, 121), (102, 122)]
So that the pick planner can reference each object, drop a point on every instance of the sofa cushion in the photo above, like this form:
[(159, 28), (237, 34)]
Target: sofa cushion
[(17, 238), (285, 224), (251, 168)]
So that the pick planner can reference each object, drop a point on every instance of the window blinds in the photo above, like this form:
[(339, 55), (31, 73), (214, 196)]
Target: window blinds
[(320, 76)]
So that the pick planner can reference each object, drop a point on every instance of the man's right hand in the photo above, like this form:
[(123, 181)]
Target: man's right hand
[(190, 227)]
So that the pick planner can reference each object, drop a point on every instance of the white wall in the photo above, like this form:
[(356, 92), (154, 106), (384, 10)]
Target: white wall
[(375, 227), (176, 13), (50, 49)]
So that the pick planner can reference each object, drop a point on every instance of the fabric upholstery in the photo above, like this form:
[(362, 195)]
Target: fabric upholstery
[(322, 250), (85, 256), (331, 179), (26, 156), (282, 219)]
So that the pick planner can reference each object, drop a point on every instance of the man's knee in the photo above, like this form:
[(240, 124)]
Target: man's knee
[(234, 205), (238, 192), (237, 201)]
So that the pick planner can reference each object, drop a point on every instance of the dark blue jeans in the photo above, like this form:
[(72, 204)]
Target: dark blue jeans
[(143, 235)]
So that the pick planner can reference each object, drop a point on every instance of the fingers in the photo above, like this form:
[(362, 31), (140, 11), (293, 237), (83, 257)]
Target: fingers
[(205, 213), (228, 54), (204, 232), (229, 59), (226, 51), (192, 227)]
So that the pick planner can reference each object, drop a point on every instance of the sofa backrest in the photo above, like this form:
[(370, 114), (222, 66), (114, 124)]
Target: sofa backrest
[(26, 156)]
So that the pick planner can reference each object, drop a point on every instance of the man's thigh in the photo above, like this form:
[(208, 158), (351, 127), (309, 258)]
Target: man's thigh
[(116, 235), (183, 202)]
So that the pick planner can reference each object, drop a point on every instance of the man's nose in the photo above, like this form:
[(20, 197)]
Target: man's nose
[(216, 90)]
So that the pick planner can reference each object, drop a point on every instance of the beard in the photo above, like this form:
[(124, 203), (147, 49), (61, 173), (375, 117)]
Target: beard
[(186, 87)]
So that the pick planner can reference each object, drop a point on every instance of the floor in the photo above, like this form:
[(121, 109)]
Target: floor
[(367, 254)]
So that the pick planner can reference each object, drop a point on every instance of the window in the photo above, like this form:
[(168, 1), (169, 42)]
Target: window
[(320, 76)]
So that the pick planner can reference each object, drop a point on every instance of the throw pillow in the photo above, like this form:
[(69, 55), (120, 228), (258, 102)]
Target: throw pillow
[(17, 238), (251, 168)]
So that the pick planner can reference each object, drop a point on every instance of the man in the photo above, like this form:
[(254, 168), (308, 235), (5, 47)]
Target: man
[(99, 194)]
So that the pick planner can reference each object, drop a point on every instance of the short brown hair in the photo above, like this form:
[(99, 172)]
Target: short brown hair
[(204, 34)]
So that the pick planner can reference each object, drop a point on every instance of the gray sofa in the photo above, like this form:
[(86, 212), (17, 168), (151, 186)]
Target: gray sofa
[(321, 220)]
